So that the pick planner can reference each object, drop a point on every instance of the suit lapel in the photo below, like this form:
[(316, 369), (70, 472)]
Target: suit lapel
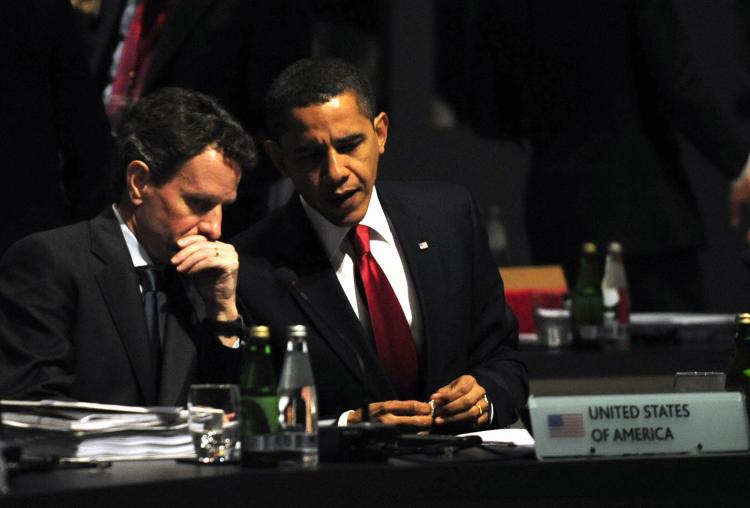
[(181, 21), (422, 256), (323, 302), (118, 283)]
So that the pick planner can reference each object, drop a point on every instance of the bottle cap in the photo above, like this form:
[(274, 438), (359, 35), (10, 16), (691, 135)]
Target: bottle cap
[(260, 332), (297, 331), (588, 248), (614, 248), (743, 318)]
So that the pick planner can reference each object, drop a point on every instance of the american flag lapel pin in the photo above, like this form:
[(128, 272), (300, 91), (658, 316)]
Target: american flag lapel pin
[(423, 245)]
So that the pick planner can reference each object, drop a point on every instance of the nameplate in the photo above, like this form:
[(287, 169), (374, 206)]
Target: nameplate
[(658, 423)]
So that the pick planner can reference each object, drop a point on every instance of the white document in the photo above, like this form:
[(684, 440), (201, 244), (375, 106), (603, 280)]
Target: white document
[(518, 437)]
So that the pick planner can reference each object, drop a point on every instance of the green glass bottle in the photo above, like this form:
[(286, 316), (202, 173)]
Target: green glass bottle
[(260, 403), (587, 305), (738, 375)]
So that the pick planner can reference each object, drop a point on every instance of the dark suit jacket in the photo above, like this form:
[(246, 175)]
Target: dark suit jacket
[(467, 328), (601, 89), (53, 130), (72, 324)]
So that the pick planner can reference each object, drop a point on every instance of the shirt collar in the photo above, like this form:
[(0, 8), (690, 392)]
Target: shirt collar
[(331, 236), (138, 254)]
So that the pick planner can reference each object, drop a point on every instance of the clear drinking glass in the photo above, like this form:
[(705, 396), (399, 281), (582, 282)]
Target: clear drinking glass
[(214, 422), (551, 319)]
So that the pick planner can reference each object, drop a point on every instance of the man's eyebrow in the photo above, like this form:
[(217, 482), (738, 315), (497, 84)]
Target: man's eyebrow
[(198, 194), (312, 146), (206, 198), (352, 138)]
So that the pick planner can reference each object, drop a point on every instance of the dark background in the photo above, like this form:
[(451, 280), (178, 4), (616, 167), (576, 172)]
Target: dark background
[(413, 53), (425, 144)]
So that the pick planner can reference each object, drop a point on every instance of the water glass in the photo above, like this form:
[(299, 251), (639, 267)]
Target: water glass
[(551, 320), (214, 422)]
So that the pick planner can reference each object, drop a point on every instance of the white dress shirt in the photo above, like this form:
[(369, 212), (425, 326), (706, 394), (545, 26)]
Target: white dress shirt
[(137, 253)]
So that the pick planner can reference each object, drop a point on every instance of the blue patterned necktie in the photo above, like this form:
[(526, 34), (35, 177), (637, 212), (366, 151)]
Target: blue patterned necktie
[(151, 280)]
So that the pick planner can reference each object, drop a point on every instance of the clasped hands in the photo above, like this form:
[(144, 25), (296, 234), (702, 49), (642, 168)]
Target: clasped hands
[(213, 267), (461, 403)]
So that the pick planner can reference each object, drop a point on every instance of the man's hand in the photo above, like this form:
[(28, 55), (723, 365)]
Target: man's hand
[(213, 266), (739, 198), (399, 412), (461, 402)]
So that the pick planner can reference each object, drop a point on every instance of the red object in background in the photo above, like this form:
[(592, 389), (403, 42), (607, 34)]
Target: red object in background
[(523, 301), (530, 286)]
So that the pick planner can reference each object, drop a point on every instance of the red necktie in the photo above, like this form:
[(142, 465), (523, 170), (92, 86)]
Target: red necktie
[(393, 339)]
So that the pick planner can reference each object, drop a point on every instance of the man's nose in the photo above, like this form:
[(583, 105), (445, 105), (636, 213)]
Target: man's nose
[(210, 224), (335, 169)]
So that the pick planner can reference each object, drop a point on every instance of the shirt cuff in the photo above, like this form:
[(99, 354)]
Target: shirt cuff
[(343, 419)]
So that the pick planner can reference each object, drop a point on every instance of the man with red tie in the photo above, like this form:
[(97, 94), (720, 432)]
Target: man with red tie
[(395, 282)]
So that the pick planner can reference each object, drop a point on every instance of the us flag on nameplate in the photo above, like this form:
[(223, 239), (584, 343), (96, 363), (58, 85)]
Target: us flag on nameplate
[(565, 425)]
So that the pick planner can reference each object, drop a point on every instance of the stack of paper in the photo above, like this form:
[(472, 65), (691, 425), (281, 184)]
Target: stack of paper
[(81, 431)]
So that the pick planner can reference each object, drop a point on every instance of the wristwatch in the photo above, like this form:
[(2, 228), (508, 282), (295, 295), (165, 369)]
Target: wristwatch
[(226, 328)]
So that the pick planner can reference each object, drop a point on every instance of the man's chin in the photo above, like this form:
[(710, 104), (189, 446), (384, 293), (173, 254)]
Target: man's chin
[(345, 218)]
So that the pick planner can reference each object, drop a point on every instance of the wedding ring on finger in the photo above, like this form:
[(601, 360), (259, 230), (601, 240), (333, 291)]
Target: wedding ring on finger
[(480, 410)]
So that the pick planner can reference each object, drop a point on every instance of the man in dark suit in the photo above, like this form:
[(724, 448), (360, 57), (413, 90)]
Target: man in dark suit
[(229, 49), (82, 312), (601, 90), (448, 359)]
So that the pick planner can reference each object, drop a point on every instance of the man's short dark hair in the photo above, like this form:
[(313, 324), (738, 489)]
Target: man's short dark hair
[(313, 81), (168, 127)]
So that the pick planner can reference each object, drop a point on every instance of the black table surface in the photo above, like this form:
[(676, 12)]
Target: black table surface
[(471, 478), (642, 357)]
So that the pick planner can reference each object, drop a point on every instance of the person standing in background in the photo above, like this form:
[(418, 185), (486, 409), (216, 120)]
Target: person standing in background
[(601, 91), (54, 134)]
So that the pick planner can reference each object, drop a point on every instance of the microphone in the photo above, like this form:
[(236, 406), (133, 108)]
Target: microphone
[(365, 441), (288, 279)]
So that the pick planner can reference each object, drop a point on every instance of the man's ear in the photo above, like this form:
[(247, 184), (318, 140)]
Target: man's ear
[(137, 179), (381, 130), (273, 150)]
